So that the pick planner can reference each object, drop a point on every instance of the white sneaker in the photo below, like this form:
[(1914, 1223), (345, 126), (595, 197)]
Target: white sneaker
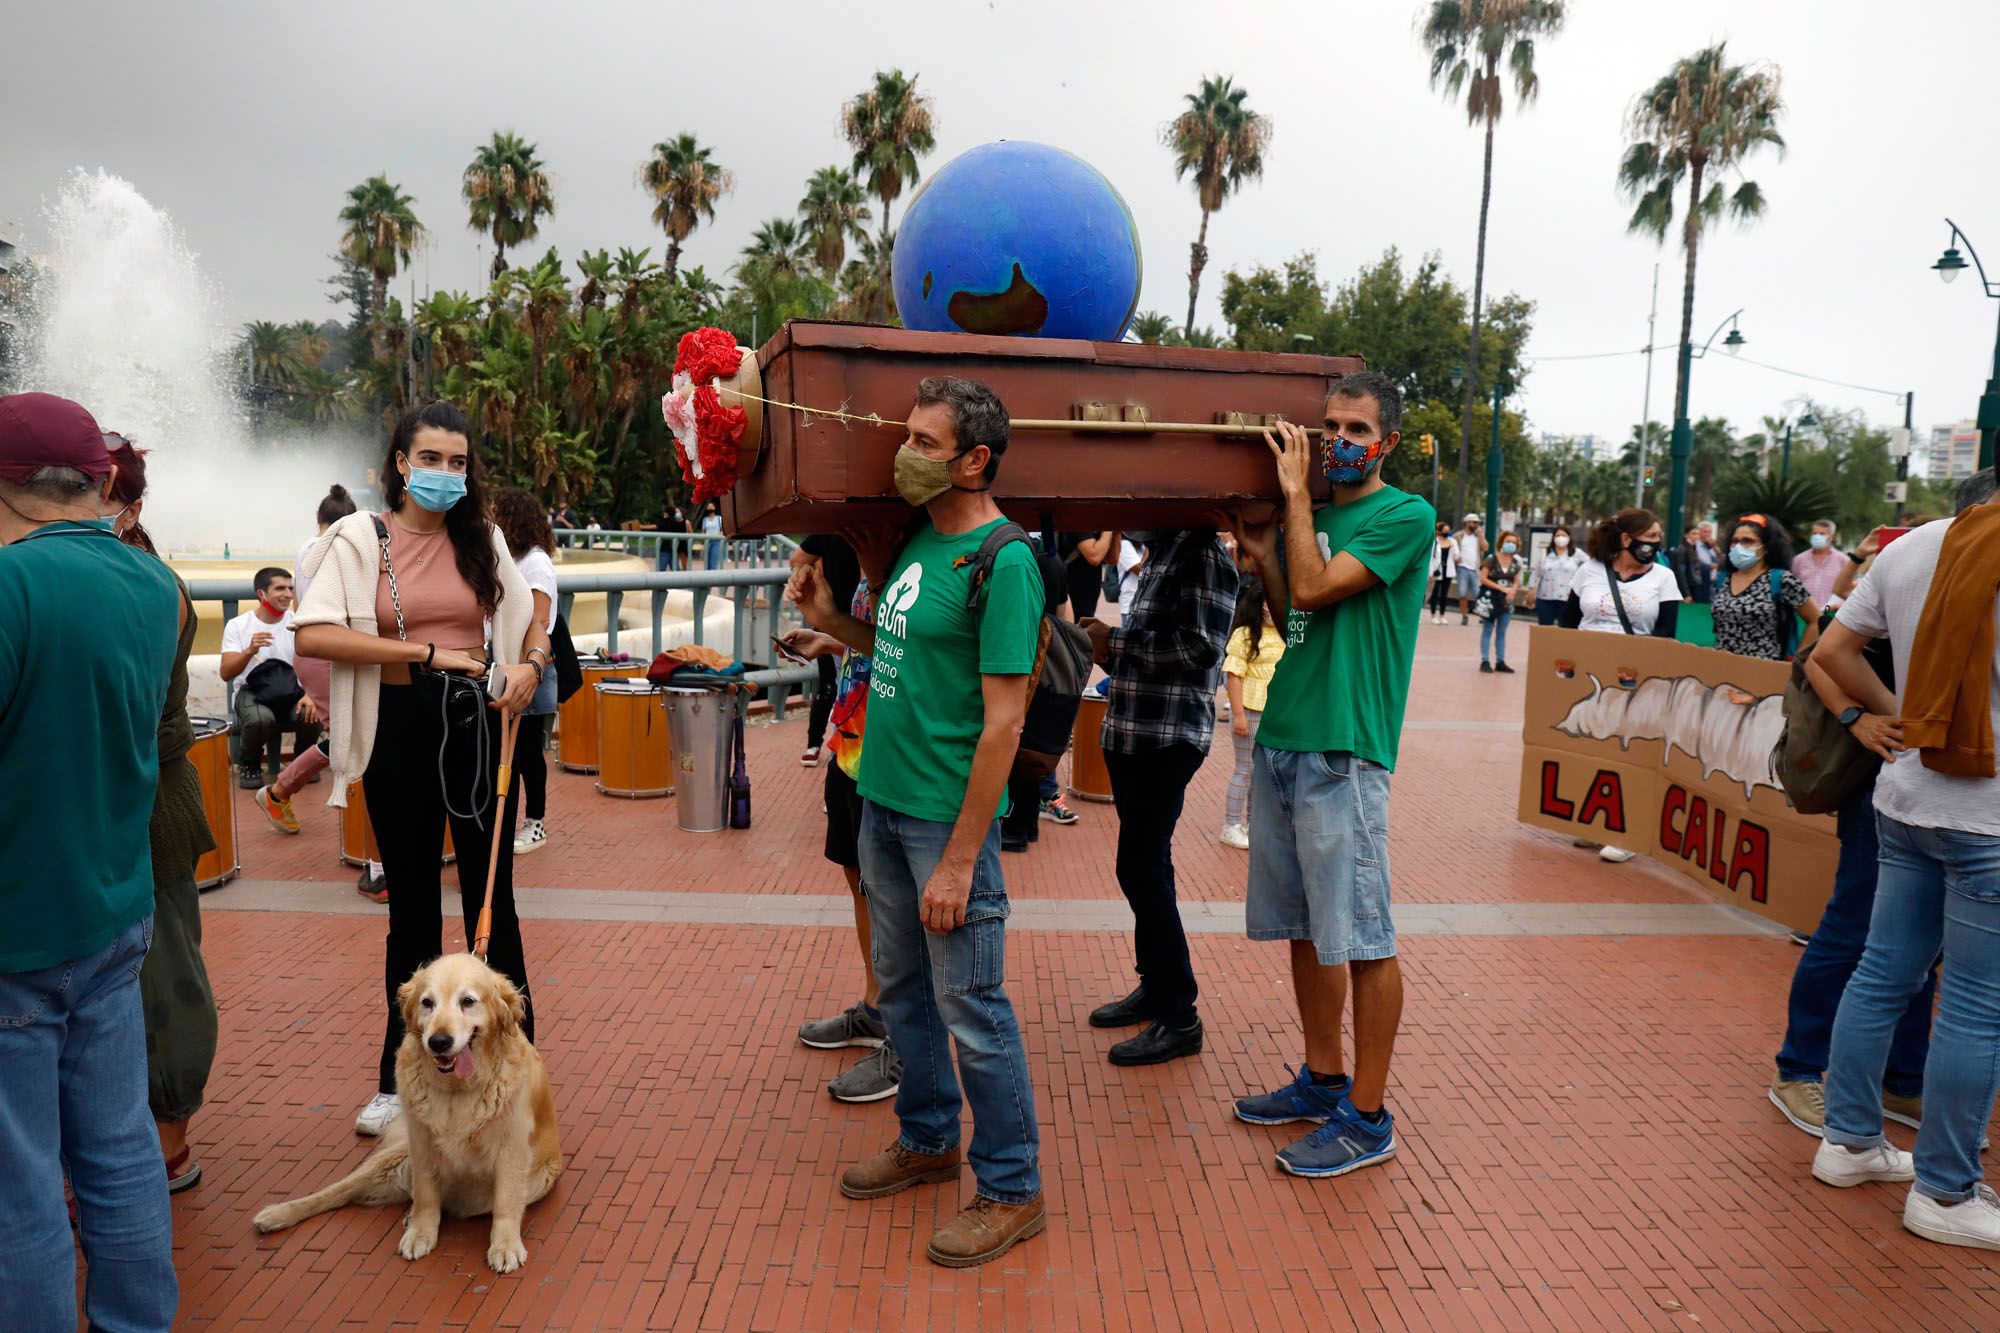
[(1842, 1167), (1975, 1223), (532, 837), (382, 1109), (1235, 835), (1617, 856)]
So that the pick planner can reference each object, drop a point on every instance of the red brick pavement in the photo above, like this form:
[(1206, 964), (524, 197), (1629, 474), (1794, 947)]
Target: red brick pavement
[(1584, 1140)]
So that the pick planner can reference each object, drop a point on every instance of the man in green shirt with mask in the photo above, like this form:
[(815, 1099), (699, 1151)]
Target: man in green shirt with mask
[(1353, 575), (947, 693), (79, 766)]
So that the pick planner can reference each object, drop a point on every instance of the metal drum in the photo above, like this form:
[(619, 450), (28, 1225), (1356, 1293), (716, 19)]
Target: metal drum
[(1089, 779), (357, 835), (704, 733), (576, 742), (634, 750), (210, 757)]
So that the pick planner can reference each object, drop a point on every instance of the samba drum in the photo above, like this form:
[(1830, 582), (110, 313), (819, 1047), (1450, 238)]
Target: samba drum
[(1089, 779), (634, 752), (357, 835), (210, 756), (576, 748)]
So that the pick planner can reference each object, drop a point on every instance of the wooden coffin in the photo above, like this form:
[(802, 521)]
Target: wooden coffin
[(819, 474)]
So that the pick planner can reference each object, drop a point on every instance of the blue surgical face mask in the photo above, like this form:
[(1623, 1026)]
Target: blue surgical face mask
[(1508, 548), (1819, 541), (435, 489), (1744, 556)]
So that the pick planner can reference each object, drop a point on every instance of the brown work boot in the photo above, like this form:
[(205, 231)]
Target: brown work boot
[(897, 1168), (986, 1230)]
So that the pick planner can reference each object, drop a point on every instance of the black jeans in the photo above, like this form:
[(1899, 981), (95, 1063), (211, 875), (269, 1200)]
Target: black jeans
[(406, 806), (1441, 591), (1024, 820), (531, 763), (822, 704), (1148, 791)]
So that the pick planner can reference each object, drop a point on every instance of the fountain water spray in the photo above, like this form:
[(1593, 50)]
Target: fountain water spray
[(125, 323)]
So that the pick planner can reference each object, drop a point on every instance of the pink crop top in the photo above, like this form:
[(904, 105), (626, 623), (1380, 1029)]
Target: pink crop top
[(438, 604)]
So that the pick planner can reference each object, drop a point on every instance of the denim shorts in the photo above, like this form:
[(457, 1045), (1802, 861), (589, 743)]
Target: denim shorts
[(1319, 854), (1468, 582)]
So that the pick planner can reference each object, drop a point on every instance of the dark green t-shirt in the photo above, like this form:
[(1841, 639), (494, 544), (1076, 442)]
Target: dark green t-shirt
[(1345, 675), (926, 705), (88, 628)]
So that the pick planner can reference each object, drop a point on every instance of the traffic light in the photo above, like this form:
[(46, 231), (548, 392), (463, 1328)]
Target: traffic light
[(1428, 443), (1649, 476)]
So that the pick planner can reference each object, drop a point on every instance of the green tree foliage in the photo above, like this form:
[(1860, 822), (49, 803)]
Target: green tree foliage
[(889, 124), (685, 181), (379, 233), (507, 194), (1220, 141), (831, 214)]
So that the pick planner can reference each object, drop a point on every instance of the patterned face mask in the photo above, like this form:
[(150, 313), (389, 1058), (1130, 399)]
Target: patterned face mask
[(1346, 463)]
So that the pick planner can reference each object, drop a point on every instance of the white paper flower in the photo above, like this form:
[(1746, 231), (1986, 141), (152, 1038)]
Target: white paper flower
[(678, 409)]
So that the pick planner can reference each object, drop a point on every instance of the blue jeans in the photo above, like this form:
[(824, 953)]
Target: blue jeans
[(73, 1099), (1494, 633), (937, 989), (1939, 889), (1829, 960)]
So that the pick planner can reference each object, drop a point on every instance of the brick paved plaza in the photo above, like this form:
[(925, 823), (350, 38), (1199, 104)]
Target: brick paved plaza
[(1579, 1092)]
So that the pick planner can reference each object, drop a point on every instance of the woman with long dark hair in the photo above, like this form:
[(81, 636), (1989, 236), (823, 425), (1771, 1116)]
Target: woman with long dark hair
[(532, 542), (400, 603), (1758, 601), (173, 982)]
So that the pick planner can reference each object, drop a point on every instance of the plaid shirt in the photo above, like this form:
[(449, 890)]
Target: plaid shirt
[(1165, 661)]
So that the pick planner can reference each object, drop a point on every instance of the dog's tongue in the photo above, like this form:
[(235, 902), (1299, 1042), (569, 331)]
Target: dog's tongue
[(461, 1065)]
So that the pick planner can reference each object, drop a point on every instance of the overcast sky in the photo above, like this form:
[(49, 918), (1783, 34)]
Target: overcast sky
[(248, 123)]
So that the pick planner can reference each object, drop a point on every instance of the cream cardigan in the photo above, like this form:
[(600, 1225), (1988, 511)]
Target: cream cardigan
[(345, 568)]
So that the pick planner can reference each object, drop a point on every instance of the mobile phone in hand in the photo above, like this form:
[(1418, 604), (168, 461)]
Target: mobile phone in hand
[(789, 653)]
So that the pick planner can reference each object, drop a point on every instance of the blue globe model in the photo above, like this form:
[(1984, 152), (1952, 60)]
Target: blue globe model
[(1018, 238)]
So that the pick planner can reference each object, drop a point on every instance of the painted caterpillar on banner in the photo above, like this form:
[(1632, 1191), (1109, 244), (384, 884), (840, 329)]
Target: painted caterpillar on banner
[(1724, 729)]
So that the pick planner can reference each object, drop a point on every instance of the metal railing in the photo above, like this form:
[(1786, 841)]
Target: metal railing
[(756, 616), (686, 550)]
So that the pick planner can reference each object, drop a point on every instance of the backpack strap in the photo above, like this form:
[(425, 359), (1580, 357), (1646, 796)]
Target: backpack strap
[(1788, 620), (1611, 574), (982, 560)]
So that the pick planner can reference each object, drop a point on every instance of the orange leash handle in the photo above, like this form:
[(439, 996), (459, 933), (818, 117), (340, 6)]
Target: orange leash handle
[(510, 726)]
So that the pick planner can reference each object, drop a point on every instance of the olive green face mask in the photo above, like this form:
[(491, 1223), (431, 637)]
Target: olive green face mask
[(921, 479)]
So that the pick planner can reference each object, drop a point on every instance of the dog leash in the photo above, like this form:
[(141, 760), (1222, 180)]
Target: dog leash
[(510, 725)]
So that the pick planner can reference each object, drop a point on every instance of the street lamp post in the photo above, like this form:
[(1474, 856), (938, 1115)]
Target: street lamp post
[(1437, 455), (1683, 441), (1948, 267), (1806, 421), (1495, 464)]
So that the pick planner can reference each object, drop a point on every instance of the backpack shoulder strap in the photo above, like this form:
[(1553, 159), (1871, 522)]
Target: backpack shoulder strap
[(1617, 599), (988, 552)]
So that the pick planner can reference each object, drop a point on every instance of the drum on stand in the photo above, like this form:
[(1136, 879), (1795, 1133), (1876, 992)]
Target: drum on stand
[(210, 756), (634, 748), (576, 719), (1089, 779), (357, 835)]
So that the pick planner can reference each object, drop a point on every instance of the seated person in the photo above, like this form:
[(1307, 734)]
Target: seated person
[(272, 703)]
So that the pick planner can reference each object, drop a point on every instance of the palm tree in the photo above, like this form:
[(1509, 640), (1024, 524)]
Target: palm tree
[(867, 286), (1221, 143), (507, 193), (1702, 119), (277, 356), (889, 125), (381, 232), (1151, 327), (684, 183), (833, 210), (777, 250), (1468, 39)]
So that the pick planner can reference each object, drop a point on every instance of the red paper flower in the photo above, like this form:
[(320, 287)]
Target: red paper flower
[(704, 356)]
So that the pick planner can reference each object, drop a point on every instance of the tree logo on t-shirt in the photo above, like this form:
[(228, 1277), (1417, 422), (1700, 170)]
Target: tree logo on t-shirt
[(1325, 546), (901, 596)]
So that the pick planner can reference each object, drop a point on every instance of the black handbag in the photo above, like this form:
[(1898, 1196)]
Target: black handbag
[(274, 684), (739, 783), (562, 656)]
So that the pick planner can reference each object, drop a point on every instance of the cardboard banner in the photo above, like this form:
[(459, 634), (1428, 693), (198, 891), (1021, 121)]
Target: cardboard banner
[(1665, 748)]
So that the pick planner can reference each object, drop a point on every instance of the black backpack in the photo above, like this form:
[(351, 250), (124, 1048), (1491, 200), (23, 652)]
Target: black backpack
[(1062, 668)]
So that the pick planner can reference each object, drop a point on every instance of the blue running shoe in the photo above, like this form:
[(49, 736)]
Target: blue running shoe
[(1301, 1099), (1344, 1143)]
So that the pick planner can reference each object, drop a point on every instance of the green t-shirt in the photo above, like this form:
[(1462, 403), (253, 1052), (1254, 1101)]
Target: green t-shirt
[(926, 707), (88, 632), (1345, 675)]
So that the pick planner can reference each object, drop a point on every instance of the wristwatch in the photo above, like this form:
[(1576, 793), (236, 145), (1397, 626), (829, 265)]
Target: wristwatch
[(1849, 716), (1859, 560)]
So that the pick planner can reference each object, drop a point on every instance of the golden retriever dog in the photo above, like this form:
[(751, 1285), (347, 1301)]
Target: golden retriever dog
[(478, 1128)]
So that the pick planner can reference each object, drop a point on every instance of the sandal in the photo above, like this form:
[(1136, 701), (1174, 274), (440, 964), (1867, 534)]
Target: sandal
[(182, 1173)]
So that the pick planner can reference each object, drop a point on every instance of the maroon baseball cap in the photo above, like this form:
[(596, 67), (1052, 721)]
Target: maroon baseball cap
[(39, 430)]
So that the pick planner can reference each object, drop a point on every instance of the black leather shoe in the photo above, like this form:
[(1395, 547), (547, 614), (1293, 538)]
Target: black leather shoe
[(1013, 844), (1157, 1045), (1129, 1012)]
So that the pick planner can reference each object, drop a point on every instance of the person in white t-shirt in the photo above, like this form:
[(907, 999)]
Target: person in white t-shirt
[(259, 635), (1471, 554), (1131, 555), (1623, 589), (525, 524), (1937, 805)]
